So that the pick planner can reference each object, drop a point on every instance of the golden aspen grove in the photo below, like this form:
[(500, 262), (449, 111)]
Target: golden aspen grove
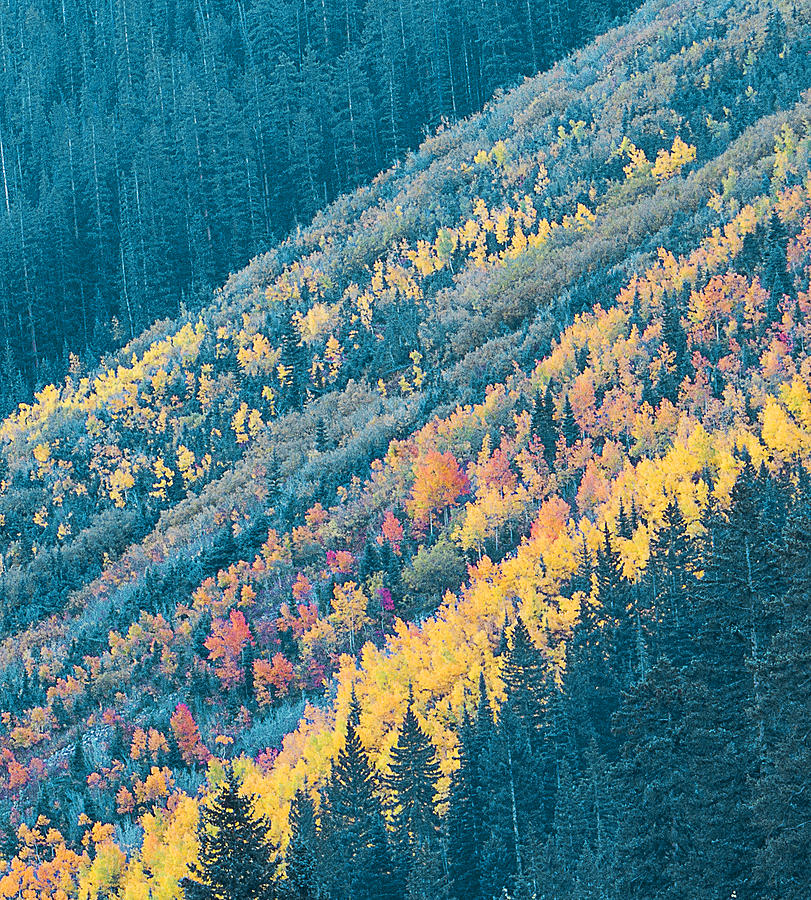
[(458, 545)]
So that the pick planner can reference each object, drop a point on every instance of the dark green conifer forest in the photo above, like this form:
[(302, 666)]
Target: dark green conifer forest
[(150, 147)]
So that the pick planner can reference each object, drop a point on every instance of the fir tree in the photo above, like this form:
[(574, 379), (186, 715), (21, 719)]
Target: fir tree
[(273, 475), (742, 571), (599, 656), (320, 435), (501, 840), (673, 335), (775, 275), (670, 583), (370, 560), (655, 839), (558, 863), (782, 802), (543, 425), (623, 524), (729, 626), (581, 580), (294, 359)]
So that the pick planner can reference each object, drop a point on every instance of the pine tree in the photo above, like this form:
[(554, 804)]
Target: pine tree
[(426, 876), (234, 860)]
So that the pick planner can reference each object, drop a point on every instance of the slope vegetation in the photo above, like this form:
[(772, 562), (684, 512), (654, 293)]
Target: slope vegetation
[(397, 430)]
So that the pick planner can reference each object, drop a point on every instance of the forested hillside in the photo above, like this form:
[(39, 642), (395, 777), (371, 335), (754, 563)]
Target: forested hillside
[(150, 147), (459, 547)]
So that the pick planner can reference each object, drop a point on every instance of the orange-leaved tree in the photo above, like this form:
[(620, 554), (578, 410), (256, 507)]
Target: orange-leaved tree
[(439, 482)]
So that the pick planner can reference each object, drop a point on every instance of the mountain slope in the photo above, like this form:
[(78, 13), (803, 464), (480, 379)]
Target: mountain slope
[(148, 148), (519, 249)]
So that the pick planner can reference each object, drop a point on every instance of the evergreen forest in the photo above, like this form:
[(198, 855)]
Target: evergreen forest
[(150, 147)]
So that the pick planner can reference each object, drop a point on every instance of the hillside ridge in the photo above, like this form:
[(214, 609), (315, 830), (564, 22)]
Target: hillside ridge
[(589, 299)]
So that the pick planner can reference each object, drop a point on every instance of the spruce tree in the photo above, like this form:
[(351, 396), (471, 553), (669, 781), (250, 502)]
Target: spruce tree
[(412, 781), (568, 425), (526, 679), (234, 860), (782, 801), (302, 878), (357, 857), (463, 825)]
